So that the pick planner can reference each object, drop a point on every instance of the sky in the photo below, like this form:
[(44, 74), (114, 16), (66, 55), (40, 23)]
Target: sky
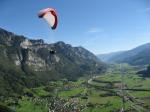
[(101, 26)]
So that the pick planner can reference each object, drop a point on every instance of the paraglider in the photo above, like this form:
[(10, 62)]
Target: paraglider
[(52, 51), (50, 15)]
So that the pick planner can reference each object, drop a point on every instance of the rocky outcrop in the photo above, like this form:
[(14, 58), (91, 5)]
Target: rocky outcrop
[(26, 63), (36, 55)]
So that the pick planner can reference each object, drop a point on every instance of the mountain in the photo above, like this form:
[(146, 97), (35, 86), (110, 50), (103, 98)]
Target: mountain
[(106, 57), (137, 56), (145, 73), (26, 63)]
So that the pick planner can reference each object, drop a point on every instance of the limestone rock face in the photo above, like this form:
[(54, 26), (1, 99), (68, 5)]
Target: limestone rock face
[(35, 54), (26, 63), (35, 62), (25, 44)]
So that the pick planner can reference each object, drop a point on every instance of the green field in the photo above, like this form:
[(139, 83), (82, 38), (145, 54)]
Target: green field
[(101, 94)]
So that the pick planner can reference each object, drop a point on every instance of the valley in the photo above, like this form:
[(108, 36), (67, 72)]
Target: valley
[(75, 56), (108, 92), (71, 80)]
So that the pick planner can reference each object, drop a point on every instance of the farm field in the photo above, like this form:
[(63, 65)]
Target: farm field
[(109, 92)]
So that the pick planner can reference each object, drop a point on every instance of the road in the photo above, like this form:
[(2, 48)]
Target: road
[(91, 79), (136, 103)]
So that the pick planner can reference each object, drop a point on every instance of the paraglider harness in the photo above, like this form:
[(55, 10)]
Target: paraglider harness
[(52, 51)]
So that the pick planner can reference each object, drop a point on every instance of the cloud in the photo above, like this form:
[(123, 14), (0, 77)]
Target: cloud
[(144, 10), (95, 30)]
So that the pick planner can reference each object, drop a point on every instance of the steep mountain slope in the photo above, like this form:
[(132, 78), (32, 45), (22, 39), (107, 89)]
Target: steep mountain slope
[(29, 63), (137, 56)]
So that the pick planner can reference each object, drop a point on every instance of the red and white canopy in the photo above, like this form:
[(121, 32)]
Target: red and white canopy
[(50, 16)]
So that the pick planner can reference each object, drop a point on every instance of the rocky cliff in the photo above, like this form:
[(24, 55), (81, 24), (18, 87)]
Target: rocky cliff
[(30, 63)]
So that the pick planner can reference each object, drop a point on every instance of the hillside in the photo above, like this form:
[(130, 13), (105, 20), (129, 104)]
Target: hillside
[(106, 57), (145, 73), (29, 63), (137, 56)]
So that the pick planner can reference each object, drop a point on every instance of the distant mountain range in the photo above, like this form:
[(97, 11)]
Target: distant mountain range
[(107, 57), (137, 56), (29, 63)]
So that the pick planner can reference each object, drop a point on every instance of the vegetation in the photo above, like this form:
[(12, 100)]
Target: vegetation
[(137, 56), (24, 67), (78, 82), (103, 93)]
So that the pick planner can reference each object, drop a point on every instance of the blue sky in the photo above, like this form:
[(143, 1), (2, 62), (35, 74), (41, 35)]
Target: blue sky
[(100, 26)]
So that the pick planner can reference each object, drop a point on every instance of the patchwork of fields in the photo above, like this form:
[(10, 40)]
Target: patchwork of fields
[(109, 92)]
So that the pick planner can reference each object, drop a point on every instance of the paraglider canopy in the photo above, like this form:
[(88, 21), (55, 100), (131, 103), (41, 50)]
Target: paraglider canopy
[(50, 15)]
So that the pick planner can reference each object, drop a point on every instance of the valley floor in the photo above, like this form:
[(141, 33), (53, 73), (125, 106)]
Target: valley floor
[(115, 90)]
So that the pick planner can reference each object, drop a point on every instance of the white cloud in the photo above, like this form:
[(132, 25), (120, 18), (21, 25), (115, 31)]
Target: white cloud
[(95, 30)]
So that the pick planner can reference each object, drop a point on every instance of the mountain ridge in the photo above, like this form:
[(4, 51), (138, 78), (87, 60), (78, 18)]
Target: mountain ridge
[(26, 63), (136, 56)]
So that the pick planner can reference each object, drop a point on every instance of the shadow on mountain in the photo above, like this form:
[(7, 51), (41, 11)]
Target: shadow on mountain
[(145, 73)]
